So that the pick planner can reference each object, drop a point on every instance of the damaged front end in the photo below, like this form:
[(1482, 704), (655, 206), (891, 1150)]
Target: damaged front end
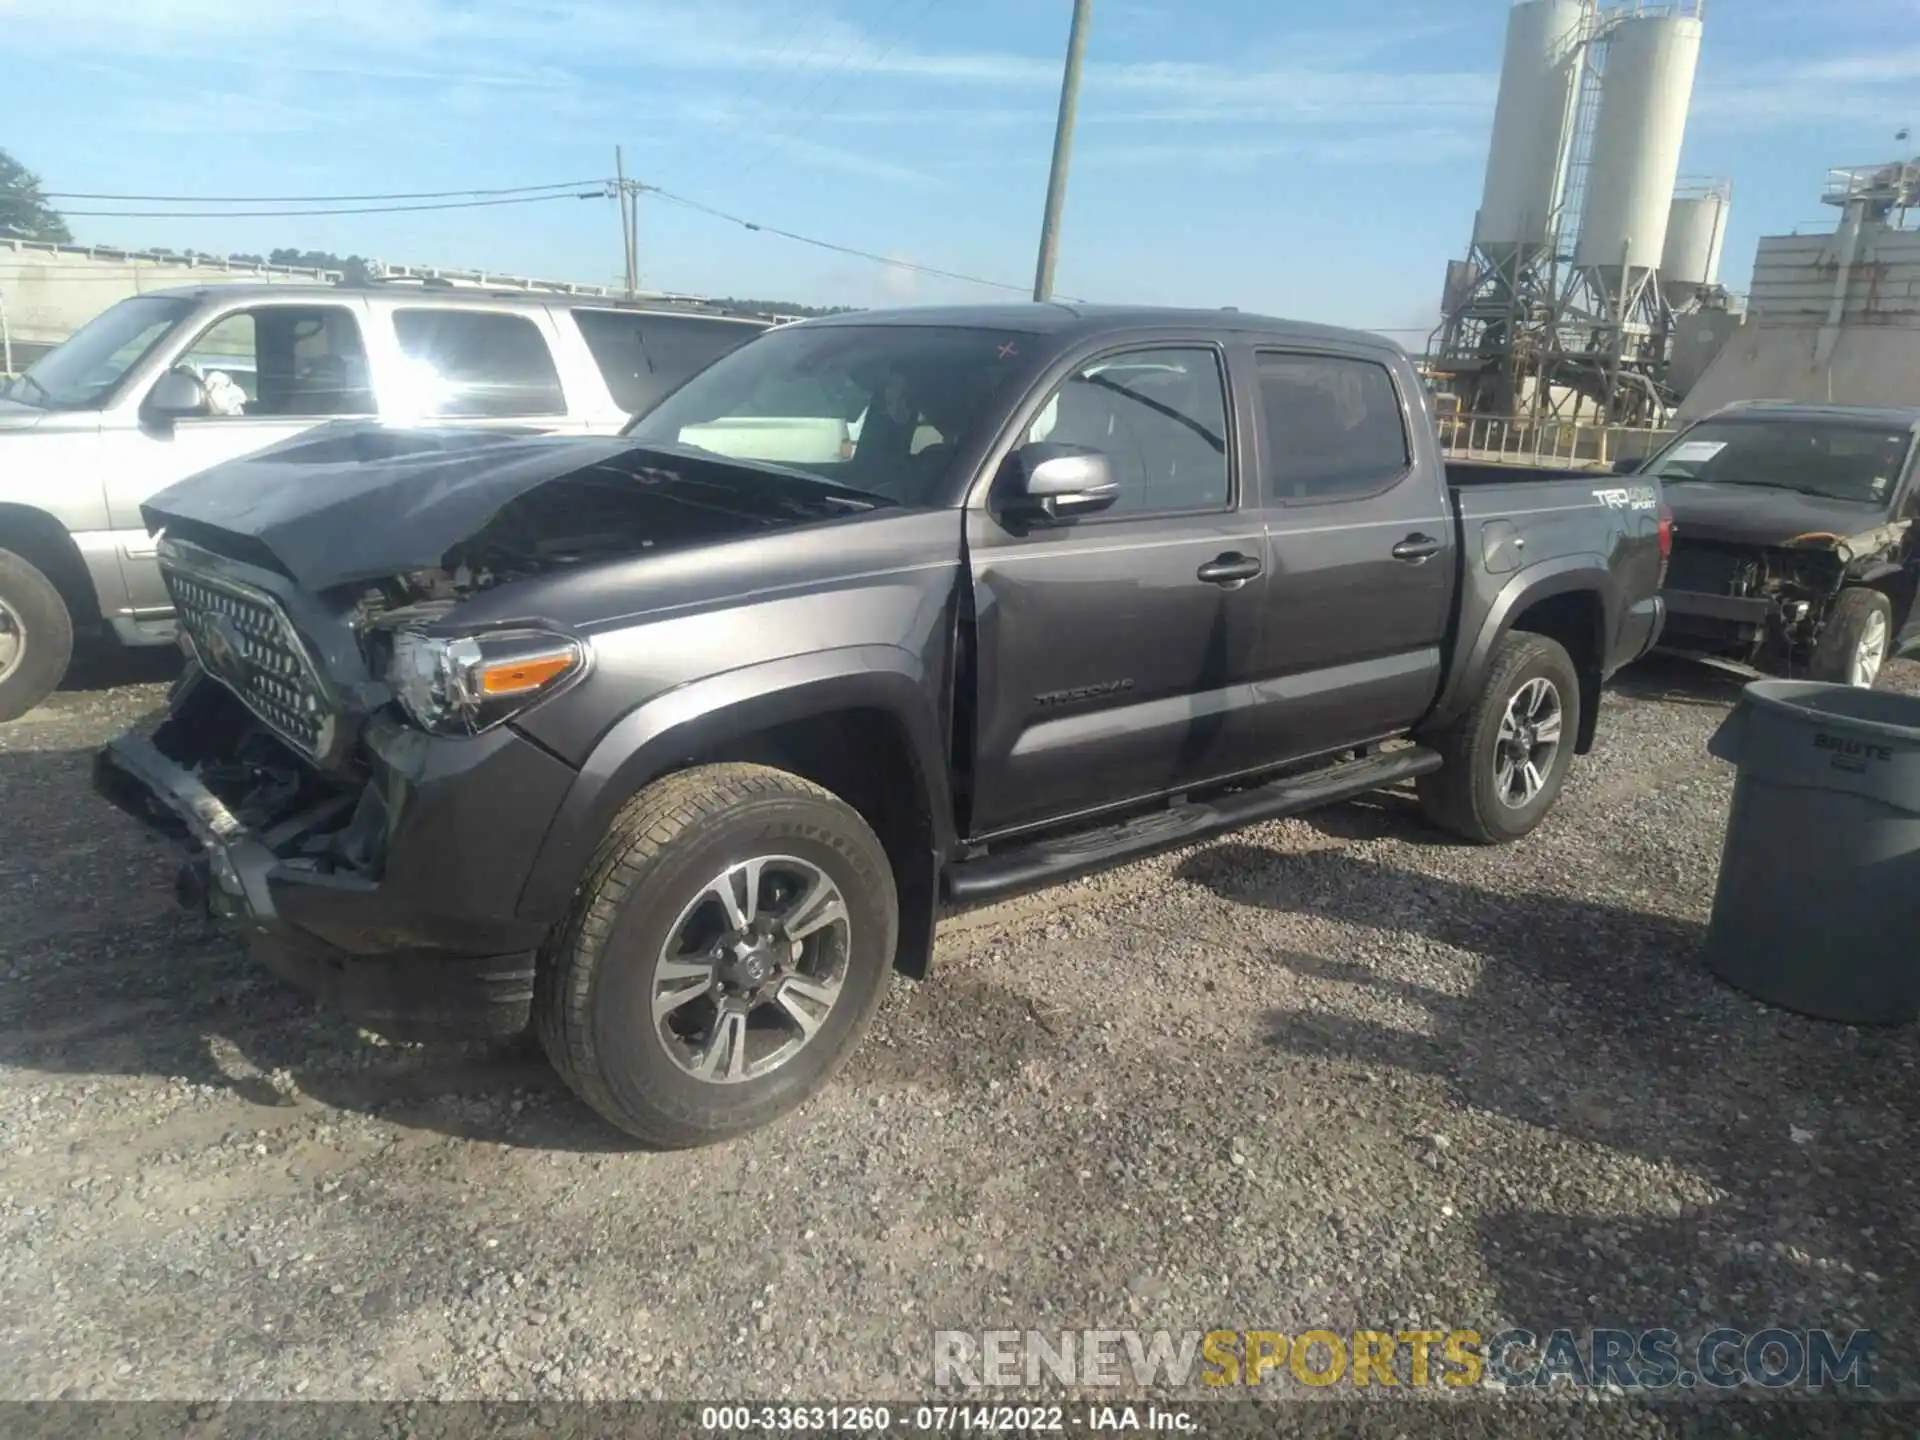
[(366, 614), (1767, 606), (301, 759)]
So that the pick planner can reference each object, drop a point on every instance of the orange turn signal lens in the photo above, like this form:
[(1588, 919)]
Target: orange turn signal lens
[(519, 677)]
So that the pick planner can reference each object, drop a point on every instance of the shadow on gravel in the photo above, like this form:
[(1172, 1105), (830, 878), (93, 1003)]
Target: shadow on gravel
[(104, 976), (1382, 815), (101, 665), (1594, 1023), (1678, 681)]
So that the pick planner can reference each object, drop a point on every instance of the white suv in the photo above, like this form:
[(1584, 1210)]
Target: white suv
[(166, 384)]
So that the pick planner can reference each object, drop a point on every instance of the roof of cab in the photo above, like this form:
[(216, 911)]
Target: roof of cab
[(1070, 321)]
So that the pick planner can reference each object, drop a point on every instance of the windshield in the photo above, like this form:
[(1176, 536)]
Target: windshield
[(879, 408), (1836, 459), (82, 372)]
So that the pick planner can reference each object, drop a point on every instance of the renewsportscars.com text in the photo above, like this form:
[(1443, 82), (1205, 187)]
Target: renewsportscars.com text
[(1772, 1359)]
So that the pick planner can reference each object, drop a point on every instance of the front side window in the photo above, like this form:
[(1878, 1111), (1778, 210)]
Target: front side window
[(1160, 418), (476, 365), (1839, 460), (281, 361), (645, 356), (83, 372), (1334, 428), (880, 408)]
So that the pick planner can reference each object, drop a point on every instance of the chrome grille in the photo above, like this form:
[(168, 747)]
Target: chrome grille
[(242, 639)]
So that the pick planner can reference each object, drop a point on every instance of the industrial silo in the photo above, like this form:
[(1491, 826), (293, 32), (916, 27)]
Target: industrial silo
[(1644, 96), (1696, 233), (1532, 124)]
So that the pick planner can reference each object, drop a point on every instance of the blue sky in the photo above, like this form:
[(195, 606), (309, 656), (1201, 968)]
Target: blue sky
[(1316, 160)]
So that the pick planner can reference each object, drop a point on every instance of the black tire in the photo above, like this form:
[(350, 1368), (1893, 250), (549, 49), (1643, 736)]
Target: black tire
[(1853, 615), (45, 637), (1463, 796), (593, 1005)]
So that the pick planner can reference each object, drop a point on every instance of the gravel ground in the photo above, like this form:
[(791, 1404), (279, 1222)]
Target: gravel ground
[(1333, 1072)]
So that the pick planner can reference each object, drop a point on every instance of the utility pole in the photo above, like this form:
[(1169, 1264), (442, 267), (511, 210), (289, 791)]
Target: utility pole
[(629, 222), (1062, 152), (633, 238)]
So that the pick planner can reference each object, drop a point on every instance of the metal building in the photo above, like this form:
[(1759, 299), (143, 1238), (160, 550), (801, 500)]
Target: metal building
[(1563, 307), (1833, 318), (1645, 90), (1539, 86), (1696, 236)]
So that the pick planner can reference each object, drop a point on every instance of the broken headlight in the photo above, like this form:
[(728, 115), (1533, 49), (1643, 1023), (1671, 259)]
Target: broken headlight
[(467, 684)]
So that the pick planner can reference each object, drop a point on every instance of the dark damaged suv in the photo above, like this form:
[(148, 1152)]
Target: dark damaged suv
[(673, 745), (1794, 546)]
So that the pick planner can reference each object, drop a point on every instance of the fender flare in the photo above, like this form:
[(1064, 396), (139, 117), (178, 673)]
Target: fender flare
[(1567, 574), (654, 738), (1877, 574)]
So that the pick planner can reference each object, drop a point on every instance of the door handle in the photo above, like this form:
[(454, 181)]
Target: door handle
[(1416, 548), (1231, 570)]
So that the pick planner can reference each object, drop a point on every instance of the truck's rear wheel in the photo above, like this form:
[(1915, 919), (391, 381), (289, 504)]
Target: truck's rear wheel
[(1855, 640), (1507, 756), (36, 637), (729, 945)]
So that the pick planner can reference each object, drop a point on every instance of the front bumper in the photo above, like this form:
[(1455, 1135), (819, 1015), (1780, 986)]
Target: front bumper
[(420, 944), (1708, 623)]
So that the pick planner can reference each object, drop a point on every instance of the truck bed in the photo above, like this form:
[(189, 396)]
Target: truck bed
[(1472, 472)]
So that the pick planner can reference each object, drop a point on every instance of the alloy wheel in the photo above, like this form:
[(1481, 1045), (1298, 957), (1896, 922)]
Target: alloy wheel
[(751, 969), (1529, 740), (13, 640), (1871, 653)]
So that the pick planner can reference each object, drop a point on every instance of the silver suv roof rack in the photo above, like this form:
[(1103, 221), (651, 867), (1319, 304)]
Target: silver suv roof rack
[(493, 283)]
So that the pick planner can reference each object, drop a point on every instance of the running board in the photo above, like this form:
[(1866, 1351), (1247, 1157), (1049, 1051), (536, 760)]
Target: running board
[(1067, 857)]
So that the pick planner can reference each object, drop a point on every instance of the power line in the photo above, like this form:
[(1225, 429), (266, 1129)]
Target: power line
[(837, 249), (595, 194), (313, 199)]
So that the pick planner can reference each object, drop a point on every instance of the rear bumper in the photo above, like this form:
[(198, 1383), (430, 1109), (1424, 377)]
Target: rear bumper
[(402, 950), (1647, 625)]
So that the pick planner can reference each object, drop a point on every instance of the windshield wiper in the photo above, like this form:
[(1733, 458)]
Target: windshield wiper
[(1716, 480), (849, 494)]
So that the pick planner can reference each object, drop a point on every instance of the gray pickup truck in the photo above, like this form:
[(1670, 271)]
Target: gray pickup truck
[(174, 381), (674, 744)]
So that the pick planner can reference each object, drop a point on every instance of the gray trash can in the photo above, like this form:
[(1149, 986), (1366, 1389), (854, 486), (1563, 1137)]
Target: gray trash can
[(1818, 906)]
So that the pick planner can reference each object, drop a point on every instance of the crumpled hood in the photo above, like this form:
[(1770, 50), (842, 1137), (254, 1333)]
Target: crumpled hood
[(1754, 515), (358, 501)]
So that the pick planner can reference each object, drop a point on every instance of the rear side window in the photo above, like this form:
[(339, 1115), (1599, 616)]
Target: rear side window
[(476, 364), (643, 356), (1334, 428)]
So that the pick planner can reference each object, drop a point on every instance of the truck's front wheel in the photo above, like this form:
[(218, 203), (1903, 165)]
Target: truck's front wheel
[(1855, 641), (725, 954), (36, 637), (1507, 756)]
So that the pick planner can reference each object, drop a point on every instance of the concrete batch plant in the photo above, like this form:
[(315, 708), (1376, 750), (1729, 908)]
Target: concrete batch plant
[(1586, 250)]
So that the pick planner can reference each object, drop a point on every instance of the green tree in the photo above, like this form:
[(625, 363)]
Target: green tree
[(353, 266), (24, 212)]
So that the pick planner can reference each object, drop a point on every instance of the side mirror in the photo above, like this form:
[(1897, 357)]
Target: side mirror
[(1631, 465), (1058, 482), (176, 395)]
